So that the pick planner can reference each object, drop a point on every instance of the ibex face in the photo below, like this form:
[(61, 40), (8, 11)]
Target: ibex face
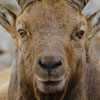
[(52, 42), (51, 47)]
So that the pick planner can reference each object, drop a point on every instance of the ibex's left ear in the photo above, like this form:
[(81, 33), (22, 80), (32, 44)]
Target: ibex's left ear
[(7, 19), (79, 4), (93, 24)]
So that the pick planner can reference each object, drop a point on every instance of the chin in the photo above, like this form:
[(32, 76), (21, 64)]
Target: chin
[(51, 86)]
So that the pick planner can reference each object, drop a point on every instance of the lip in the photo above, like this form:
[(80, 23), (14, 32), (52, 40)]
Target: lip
[(50, 83), (50, 86), (50, 80)]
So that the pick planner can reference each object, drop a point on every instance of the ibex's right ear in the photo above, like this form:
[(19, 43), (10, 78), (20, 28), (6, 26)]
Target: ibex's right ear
[(7, 20)]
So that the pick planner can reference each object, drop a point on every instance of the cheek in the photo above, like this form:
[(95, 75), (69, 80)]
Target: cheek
[(73, 55), (27, 70), (27, 60)]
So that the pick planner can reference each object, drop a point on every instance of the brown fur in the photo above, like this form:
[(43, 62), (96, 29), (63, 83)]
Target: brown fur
[(51, 26)]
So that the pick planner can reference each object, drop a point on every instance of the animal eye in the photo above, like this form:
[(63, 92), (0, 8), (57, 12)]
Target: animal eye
[(22, 33), (80, 34)]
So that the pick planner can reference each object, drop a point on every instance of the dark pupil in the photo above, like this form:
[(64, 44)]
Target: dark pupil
[(22, 33), (80, 33)]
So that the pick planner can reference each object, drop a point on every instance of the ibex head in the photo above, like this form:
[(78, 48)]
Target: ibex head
[(52, 38)]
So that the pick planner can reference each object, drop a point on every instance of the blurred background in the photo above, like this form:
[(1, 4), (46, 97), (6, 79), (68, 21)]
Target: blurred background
[(6, 43), (7, 46), (7, 49)]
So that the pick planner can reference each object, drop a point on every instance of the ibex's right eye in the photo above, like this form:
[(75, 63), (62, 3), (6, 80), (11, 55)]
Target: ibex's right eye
[(22, 33)]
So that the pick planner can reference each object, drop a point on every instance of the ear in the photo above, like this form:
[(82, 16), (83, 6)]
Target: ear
[(79, 4), (93, 24), (7, 20)]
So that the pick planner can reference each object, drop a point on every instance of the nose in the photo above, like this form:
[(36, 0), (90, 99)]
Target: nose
[(49, 64)]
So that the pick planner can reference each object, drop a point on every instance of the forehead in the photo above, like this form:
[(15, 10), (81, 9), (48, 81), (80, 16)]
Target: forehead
[(40, 15)]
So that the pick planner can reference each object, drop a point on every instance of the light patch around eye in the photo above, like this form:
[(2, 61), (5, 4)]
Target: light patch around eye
[(83, 27)]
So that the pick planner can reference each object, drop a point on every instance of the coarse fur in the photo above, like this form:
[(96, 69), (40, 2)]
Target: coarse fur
[(51, 27)]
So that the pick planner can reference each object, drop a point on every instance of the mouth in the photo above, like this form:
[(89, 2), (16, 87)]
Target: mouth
[(51, 86), (51, 83)]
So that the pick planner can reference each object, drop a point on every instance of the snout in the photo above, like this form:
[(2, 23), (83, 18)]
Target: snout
[(50, 72), (49, 63)]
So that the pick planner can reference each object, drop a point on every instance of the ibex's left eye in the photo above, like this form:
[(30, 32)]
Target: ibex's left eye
[(22, 33), (80, 34)]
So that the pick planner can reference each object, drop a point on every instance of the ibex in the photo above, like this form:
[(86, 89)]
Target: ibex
[(53, 58)]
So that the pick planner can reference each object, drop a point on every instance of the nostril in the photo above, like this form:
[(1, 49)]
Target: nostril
[(42, 63), (57, 63), (49, 64)]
